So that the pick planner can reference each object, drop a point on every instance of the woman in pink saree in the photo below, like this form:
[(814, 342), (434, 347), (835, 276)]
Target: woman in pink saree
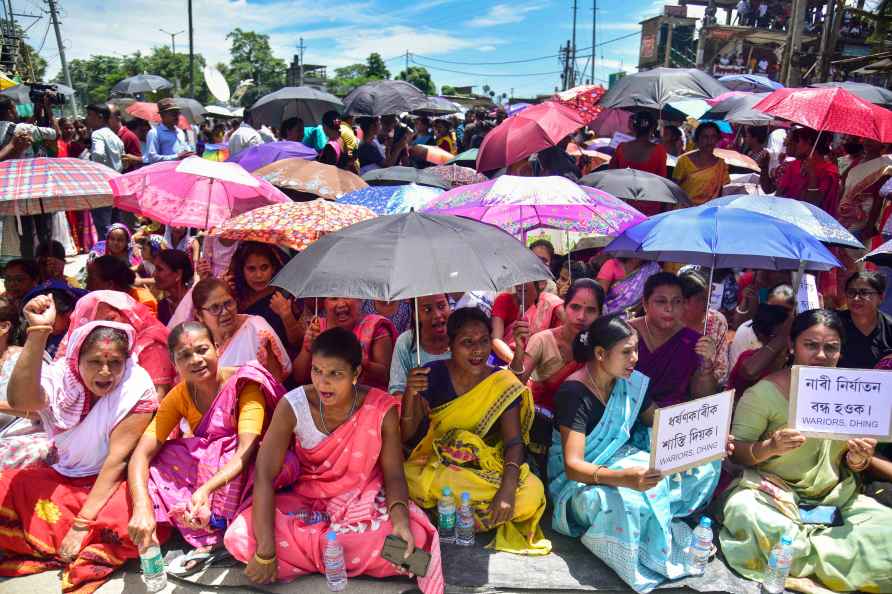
[(199, 483), (345, 438)]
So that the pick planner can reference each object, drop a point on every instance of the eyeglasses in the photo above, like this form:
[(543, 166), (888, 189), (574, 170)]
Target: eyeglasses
[(860, 293), (218, 308)]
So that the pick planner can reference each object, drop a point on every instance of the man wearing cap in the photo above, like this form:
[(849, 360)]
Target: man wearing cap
[(244, 137), (166, 142)]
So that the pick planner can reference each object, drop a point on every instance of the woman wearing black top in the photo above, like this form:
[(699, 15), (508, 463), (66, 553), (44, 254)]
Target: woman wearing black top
[(868, 330)]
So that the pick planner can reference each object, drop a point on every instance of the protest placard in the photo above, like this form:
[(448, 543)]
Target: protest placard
[(692, 433), (838, 403), (807, 296)]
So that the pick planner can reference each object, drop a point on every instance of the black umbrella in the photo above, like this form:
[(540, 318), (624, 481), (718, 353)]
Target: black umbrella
[(739, 110), (191, 109), (400, 176), (384, 97), (870, 93), (410, 255), (652, 89), (631, 184), (305, 103), (438, 106), (141, 83)]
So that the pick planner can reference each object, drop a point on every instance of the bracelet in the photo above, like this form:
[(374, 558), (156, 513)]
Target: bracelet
[(598, 469), (46, 327), (261, 561), (813, 190), (857, 467), (740, 311), (396, 503), (514, 464)]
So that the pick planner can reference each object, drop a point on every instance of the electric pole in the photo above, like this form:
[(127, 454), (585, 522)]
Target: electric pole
[(794, 43), (173, 43), (407, 64), (300, 62), (573, 50), (191, 54), (594, 38), (54, 18)]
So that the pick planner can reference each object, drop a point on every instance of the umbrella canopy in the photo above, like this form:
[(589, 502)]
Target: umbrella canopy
[(631, 184), (438, 106), (611, 121), (149, 112), (808, 217), (39, 185), (830, 109), (311, 177), (750, 83), (391, 257), (467, 157), (737, 160), (738, 109), (431, 154), (192, 109), (6, 82), (21, 94), (141, 83), (583, 99), (292, 224), (457, 175), (394, 176), (261, 155), (654, 88), (218, 111), (385, 200), (528, 132), (306, 103), (680, 109), (193, 192), (721, 237), (725, 96), (881, 256), (521, 204), (384, 97), (868, 92), (516, 108)]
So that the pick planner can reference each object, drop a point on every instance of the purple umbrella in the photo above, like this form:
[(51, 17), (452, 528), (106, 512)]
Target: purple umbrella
[(261, 155), (521, 204)]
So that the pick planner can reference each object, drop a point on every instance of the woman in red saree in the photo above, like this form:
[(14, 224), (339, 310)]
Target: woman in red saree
[(345, 438), (548, 360), (95, 404)]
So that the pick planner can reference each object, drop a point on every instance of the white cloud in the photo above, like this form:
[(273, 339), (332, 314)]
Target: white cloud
[(486, 48), (504, 14)]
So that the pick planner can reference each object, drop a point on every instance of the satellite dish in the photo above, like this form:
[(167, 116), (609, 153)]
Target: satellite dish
[(217, 85)]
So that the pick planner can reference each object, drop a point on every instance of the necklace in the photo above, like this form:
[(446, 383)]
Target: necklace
[(350, 414), (595, 386)]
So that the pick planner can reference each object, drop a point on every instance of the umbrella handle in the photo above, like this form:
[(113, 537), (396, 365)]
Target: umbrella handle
[(417, 335)]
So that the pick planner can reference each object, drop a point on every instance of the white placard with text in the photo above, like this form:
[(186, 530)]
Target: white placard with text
[(838, 403), (692, 433), (807, 296)]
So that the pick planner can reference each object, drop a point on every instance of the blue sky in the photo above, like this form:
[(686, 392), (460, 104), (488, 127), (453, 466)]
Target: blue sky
[(340, 32)]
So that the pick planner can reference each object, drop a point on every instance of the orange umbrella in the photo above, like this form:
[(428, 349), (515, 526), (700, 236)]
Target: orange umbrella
[(311, 177), (292, 224), (432, 154), (735, 159), (145, 110)]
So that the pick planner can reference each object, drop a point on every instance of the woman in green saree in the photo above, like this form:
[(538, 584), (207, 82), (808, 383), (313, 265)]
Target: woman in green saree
[(784, 471)]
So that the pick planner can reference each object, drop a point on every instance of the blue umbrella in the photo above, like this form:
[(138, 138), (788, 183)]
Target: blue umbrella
[(722, 237), (810, 218), (385, 200), (750, 83)]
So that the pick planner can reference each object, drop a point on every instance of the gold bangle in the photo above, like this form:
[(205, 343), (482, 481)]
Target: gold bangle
[(598, 469), (514, 464), (261, 561), (396, 503), (46, 327)]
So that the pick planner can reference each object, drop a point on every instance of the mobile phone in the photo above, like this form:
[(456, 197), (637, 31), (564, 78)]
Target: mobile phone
[(825, 515), (395, 548)]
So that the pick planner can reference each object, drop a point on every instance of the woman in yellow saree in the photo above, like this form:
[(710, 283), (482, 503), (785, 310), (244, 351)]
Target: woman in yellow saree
[(700, 173), (471, 423)]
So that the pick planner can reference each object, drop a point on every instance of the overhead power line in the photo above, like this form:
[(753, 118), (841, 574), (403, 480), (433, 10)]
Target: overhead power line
[(483, 74), (488, 63)]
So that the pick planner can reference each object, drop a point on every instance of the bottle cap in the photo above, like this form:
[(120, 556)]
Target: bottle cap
[(786, 540), (331, 536), (705, 522), (465, 497), (447, 491)]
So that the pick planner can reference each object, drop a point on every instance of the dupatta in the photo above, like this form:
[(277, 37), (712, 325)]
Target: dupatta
[(628, 292)]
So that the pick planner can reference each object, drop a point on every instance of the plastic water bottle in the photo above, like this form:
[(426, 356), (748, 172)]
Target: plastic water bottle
[(446, 516), (464, 522), (152, 564), (218, 522), (778, 566), (310, 517), (701, 547), (335, 569)]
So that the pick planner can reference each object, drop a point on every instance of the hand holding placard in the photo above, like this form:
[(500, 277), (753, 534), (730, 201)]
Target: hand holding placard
[(692, 433)]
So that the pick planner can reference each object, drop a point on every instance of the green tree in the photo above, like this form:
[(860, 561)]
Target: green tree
[(376, 68), (94, 77), (175, 68), (447, 90), (251, 57), (347, 78), (420, 77)]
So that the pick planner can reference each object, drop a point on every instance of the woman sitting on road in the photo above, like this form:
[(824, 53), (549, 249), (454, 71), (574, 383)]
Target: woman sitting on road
[(199, 483), (94, 405), (433, 313), (475, 436), (344, 439), (601, 483)]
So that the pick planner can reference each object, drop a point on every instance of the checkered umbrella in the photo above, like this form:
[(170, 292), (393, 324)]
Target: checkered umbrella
[(42, 185)]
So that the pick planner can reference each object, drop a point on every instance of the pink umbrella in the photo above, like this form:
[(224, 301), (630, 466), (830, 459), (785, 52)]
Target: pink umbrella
[(729, 95), (194, 192), (528, 132), (611, 121), (521, 204)]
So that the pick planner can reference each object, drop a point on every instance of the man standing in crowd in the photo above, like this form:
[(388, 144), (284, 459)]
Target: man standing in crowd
[(132, 157), (245, 137), (105, 148), (166, 142)]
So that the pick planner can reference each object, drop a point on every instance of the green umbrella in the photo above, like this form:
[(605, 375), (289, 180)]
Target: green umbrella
[(469, 156)]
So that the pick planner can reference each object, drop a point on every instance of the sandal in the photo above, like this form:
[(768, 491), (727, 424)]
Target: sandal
[(200, 560)]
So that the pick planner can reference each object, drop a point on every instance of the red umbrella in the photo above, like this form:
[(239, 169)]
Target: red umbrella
[(149, 112), (883, 119), (528, 132), (583, 99), (826, 109)]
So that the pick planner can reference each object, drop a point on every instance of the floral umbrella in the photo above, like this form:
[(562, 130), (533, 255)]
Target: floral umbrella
[(457, 175), (521, 204), (39, 185), (384, 200), (311, 177), (584, 99), (292, 224)]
